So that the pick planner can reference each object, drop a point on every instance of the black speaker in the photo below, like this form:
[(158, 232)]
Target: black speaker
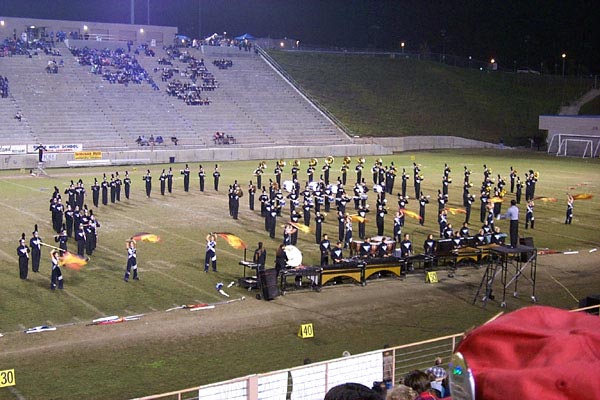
[(592, 300), (268, 283), (526, 241)]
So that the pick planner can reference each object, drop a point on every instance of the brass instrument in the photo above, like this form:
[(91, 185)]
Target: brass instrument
[(379, 161), (347, 160), (329, 160), (536, 174), (262, 164), (239, 192), (313, 162), (296, 163), (281, 163), (361, 160)]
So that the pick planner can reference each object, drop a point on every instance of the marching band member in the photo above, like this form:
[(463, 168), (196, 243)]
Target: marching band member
[(163, 182), (287, 234), (23, 253), (260, 256), (423, 200), (131, 261), (405, 178), (381, 211), (365, 248), (319, 219), (127, 184), (80, 238), (398, 222), (148, 179), (337, 255), (118, 184), (211, 253), (429, 245), (56, 274), (95, 192), (529, 218), (251, 194), (170, 180), (347, 231), (295, 217), (569, 217), (464, 231), (362, 212), (406, 249), (202, 178), (216, 176), (358, 169), (513, 176), (324, 247), (341, 220), (62, 239), (36, 249), (186, 178)]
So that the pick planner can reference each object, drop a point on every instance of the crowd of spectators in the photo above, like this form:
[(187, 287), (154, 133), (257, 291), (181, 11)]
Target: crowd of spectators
[(223, 63), (3, 87), (151, 141), (116, 66), (22, 47), (222, 138), (431, 384), (200, 79)]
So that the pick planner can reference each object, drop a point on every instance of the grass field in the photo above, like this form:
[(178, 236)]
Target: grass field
[(171, 274), (383, 96)]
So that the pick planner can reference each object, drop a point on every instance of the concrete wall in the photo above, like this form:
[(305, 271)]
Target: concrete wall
[(163, 154), (115, 32)]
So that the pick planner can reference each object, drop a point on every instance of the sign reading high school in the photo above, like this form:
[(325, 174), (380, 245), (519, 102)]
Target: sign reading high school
[(56, 148)]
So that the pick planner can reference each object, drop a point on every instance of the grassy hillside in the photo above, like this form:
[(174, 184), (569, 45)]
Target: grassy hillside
[(383, 96), (591, 108)]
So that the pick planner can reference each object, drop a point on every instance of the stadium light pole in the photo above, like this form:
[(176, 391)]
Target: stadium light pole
[(564, 56), (402, 45), (148, 12), (132, 12)]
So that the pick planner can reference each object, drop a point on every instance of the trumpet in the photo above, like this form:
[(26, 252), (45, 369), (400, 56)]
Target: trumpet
[(329, 160), (313, 162)]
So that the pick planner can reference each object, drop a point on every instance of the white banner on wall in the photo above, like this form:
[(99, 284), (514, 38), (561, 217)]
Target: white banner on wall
[(13, 149), (56, 148)]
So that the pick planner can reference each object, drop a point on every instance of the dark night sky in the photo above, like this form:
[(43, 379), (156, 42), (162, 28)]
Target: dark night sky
[(526, 31)]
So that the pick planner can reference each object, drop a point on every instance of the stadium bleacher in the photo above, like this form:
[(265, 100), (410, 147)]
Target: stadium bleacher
[(252, 103)]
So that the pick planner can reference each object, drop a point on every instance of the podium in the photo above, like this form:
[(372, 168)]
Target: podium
[(511, 264)]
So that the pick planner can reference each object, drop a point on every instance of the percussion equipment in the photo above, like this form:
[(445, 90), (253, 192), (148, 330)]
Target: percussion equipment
[(355, 246), (313, 185), (288, 186), (391, 246)]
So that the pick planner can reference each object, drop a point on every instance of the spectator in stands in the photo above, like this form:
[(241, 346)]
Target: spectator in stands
[(401, 392), (18, 115), (3, 87), (159, 140), (420, 383), (352, 391), (174, 140)]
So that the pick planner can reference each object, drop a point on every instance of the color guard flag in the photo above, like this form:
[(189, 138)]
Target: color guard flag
[(146, 237), (454, 211), (358, 218), (545, 199), (301, 227), (71, 261), (412, 214), (233, 240), (582, 196)]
